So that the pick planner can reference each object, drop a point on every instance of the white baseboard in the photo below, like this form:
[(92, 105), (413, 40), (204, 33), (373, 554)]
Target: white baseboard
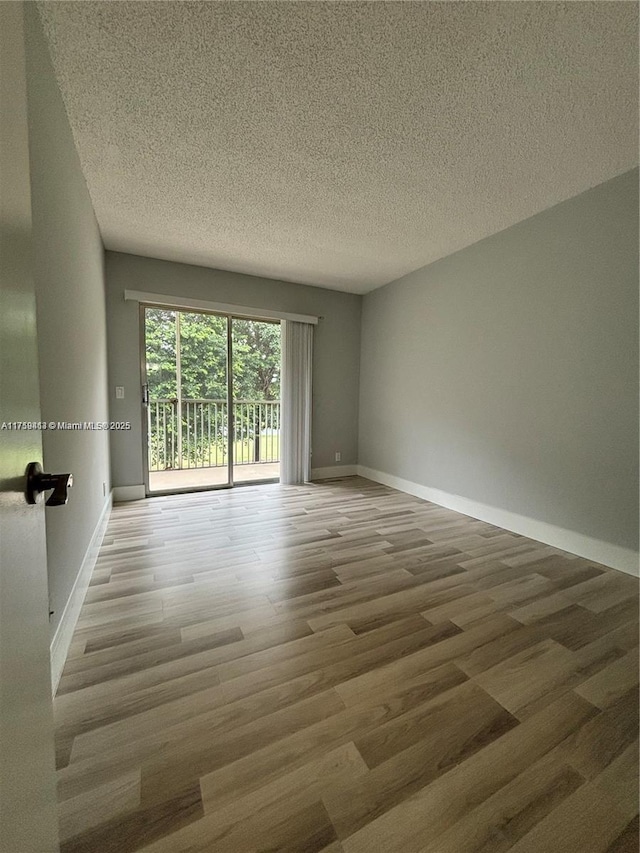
[(64, 632), (129, 493), (623, 559), (336, 471)]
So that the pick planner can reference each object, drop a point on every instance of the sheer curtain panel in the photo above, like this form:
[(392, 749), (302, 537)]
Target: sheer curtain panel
[(297, 360)]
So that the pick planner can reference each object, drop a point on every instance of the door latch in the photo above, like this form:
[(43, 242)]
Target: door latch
[(38, 481)]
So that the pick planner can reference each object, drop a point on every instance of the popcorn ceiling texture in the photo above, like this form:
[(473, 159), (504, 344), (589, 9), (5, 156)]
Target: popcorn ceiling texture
[(339, 144)]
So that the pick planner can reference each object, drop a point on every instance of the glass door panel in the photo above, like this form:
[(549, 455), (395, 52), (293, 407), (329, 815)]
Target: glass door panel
[(256, 400), (162, 392), (188, 402)]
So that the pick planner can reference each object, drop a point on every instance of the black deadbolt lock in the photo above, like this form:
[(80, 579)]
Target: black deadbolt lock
[(38, 481)]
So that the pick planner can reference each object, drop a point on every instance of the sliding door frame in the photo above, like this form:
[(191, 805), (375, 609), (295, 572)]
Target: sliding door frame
[(231, 424), (144, 396), (144, 400)]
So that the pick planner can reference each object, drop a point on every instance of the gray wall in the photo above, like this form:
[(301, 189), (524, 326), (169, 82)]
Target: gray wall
[(336, 353), (69, 272), (508, 372)]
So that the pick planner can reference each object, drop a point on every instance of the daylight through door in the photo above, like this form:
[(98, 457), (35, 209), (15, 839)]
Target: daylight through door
[(212, 400)]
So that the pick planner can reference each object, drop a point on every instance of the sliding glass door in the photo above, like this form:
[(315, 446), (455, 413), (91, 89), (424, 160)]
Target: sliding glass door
[(256, 400), (212, 400)]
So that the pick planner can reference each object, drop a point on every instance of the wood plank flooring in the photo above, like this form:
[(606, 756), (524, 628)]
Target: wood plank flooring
[(344, 668)]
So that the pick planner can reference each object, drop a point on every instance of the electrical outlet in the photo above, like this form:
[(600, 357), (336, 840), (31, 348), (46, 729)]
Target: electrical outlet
[(119, 392), (338, 456)]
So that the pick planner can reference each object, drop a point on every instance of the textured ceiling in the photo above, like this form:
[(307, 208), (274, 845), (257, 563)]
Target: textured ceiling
[(339, 144)]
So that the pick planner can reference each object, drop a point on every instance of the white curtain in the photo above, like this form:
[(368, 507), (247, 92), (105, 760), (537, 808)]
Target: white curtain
[(295, 438)]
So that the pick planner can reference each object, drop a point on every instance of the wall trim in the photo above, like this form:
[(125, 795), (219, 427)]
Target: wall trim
[(64, 632), (613, 556), (335, 471), (129, 493), (219, 307)]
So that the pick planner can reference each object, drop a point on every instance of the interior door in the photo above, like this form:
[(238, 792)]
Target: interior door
[(28, 817)]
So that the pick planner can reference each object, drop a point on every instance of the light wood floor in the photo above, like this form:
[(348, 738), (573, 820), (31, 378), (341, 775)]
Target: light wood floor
[(342, 667)]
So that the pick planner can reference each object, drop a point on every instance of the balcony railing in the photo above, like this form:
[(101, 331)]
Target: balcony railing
[(195, 433)]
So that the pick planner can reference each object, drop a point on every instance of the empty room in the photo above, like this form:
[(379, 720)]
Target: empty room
[(319, 427)]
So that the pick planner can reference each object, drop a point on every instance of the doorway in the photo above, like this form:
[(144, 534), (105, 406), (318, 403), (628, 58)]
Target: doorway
[(211, 400)]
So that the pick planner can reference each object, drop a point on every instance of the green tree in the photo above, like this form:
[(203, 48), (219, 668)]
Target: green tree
[(203, 357), (160, 345), (256, 360)]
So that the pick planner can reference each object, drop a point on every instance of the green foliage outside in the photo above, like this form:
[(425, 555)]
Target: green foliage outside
[(203, 368)]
